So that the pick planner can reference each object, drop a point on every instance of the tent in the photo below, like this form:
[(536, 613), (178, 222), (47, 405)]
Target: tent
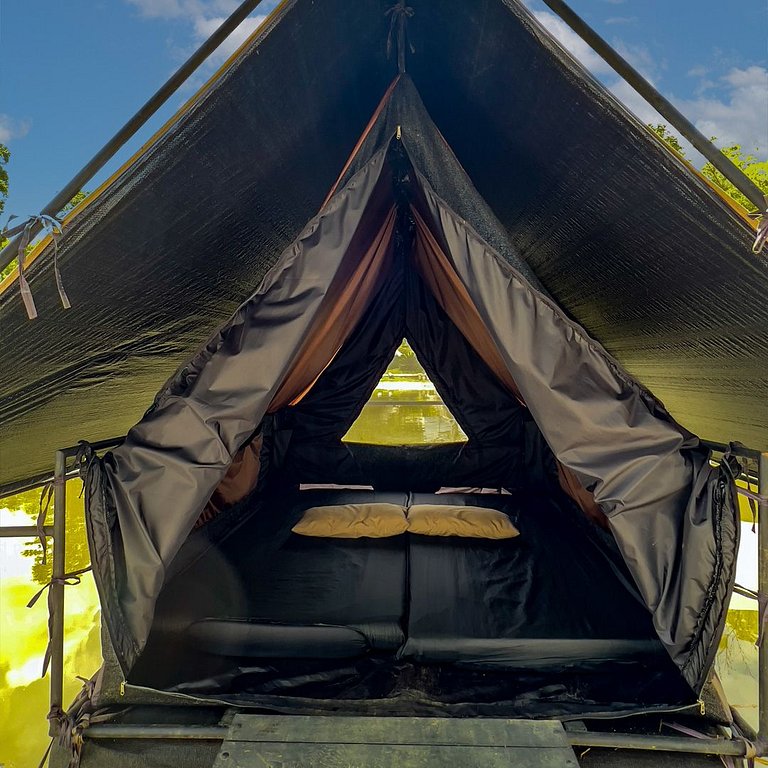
[(499, 209)]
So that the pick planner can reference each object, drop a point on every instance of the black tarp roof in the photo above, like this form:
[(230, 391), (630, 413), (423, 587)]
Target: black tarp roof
[(634, 247)]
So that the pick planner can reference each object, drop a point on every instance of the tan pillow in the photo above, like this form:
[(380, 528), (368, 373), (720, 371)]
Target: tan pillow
[(353, 521), (453, 520)]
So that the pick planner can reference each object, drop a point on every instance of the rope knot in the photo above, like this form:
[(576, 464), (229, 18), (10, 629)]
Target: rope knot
[(398, 21), (52, 227)]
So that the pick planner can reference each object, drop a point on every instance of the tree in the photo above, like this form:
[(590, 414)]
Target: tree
[(756, 170)]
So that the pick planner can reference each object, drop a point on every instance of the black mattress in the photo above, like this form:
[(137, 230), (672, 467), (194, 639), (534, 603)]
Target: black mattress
[(535, 600), (357, 583)]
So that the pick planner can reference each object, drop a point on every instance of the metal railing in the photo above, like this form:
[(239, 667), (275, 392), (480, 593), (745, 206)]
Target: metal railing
[(58, 534)]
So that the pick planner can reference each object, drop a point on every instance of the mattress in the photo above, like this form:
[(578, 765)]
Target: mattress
[(530, 601), (355, 583)]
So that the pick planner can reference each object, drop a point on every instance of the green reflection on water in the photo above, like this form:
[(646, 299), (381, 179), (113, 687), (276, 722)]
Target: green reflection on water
[(405, 408)]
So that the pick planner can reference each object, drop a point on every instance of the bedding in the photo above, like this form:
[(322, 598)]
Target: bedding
[(460, 520), (353, 521), (357, 583)]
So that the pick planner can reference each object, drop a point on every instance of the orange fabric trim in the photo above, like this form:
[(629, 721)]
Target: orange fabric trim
[(441, 278), (343, 306), (240, 480)]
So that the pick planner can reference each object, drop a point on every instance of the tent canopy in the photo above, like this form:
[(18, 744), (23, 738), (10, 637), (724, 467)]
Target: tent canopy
[(631, 244), (396, 251)]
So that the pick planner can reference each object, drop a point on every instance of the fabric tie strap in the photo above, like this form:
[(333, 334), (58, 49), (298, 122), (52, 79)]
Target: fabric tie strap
[(67, 580), (762, 233), (52, 227), (399, 15)]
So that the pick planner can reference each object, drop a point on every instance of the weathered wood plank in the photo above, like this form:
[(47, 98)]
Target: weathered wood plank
[(474, 732), (243, 754)]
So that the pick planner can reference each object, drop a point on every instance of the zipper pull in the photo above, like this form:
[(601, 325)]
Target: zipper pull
[(702, 707), (398, 133), (122, 687)]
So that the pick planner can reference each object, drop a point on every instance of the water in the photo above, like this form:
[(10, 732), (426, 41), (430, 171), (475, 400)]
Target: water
[(400, 412)]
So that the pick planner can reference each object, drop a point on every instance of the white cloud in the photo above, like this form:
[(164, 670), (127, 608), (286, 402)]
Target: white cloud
[(174, 9), (205, 27), (572, 42), (621, 20), (204, 17), (737, 114), (741, 116), (12, 129)]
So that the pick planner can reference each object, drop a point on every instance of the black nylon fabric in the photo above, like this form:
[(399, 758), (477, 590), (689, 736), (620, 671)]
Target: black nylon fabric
[(490, 416), (633, 246)]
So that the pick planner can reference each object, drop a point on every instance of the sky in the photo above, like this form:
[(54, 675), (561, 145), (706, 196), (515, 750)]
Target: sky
[(72, 73)]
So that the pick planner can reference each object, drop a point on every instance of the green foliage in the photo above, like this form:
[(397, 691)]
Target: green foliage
[(5, 156), (663, 132), (754, 169)]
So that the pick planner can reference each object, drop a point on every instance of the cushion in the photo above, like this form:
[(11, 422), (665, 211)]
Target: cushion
[(454, 520), (353, 521), (243, 637)]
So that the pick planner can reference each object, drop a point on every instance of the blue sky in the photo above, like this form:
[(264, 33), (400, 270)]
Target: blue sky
[(74, 72)]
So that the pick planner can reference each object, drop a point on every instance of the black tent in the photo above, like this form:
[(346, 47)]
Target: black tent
[(500, 210)]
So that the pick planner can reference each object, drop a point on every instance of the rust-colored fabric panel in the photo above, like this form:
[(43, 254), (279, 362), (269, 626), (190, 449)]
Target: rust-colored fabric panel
[(363, 136), (239, 481), (445, 284), (438, 273), (345, 302), (584, 498)]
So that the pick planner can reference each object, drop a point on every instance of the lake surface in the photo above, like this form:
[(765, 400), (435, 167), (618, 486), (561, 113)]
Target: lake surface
[(407, 410)]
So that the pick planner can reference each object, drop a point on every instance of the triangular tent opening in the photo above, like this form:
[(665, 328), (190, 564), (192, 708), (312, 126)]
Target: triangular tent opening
[(405, 408), (612, 597)]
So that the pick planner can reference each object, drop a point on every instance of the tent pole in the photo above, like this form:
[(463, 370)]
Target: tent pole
[(57, 585), (762, 592), (662, 105), (100, 159)]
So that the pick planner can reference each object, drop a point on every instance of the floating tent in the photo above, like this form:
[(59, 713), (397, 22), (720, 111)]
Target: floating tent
[(551, 264)]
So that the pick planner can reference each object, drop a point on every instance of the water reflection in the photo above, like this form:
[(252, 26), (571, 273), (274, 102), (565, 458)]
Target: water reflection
[(24, 696)]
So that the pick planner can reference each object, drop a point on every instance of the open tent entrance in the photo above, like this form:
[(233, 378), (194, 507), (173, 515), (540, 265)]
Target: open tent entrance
[(581, 613), (405, 408)]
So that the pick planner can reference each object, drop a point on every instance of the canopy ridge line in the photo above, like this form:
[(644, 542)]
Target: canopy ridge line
[(34, 224), (667, 110), (398, 31)]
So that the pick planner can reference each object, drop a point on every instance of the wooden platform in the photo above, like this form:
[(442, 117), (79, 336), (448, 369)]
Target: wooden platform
[(393, 742)]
